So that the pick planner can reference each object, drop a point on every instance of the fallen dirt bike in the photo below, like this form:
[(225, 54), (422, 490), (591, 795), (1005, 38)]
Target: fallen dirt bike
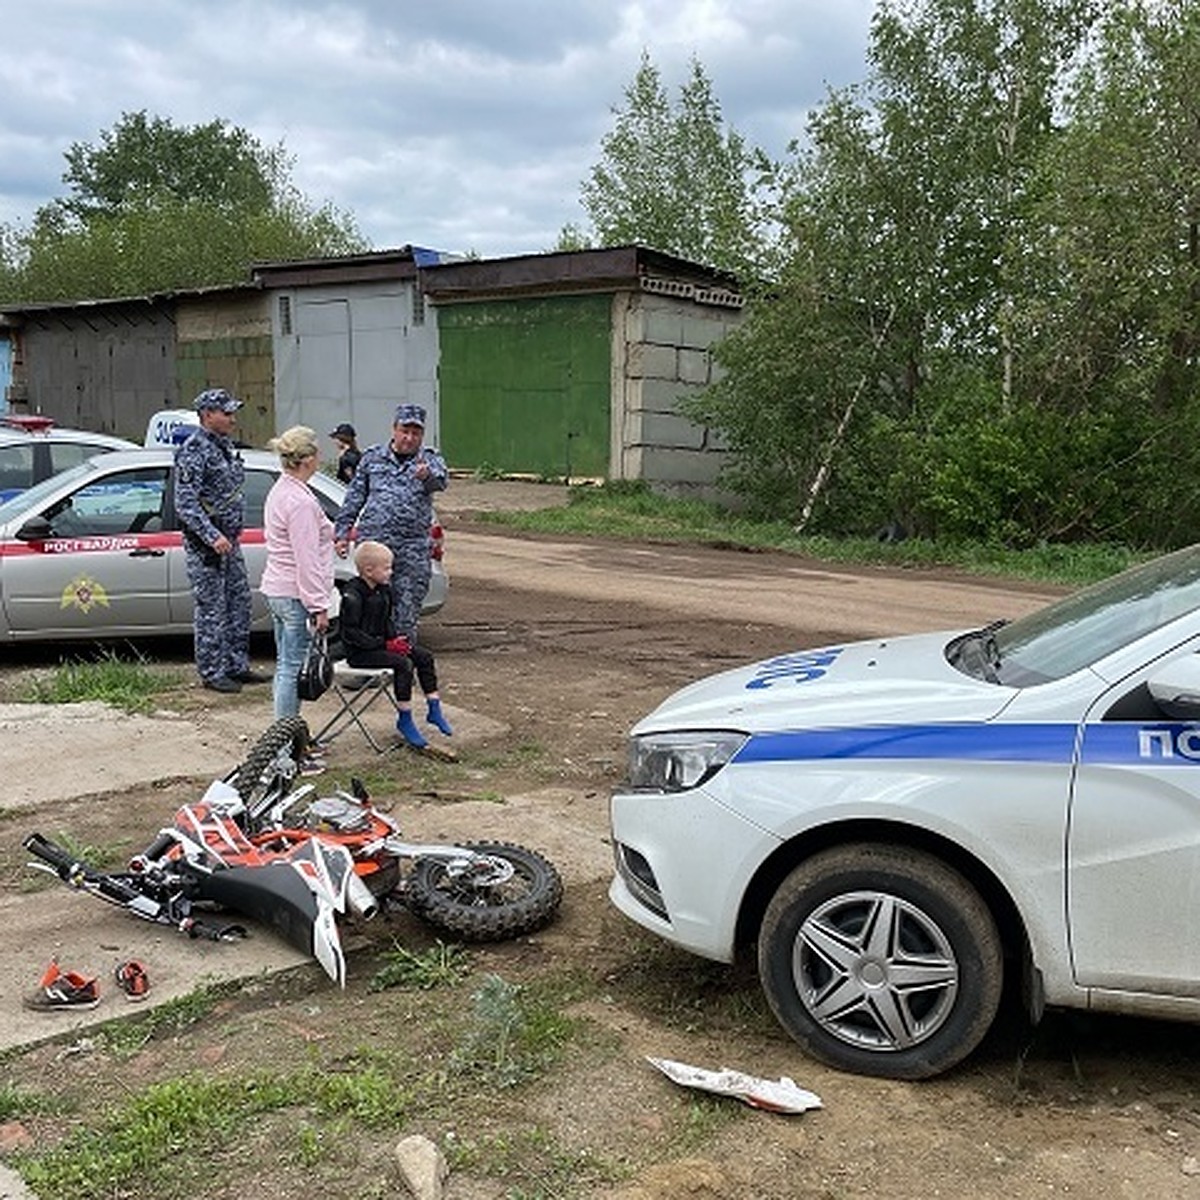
[(259, 845)]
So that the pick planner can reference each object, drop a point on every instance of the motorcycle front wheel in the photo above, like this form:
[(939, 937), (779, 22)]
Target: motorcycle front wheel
[(266, 774), (509, 892)]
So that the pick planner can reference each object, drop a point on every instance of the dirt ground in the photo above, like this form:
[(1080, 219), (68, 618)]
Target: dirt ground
[(548, 651)]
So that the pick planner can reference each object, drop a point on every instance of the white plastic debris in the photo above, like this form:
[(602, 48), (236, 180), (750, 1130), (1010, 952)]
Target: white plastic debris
[(778, 1095)]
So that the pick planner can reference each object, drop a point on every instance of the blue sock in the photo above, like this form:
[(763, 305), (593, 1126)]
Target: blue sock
[(408, 730), (436, 717)]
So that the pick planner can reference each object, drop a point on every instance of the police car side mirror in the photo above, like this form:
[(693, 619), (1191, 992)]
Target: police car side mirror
[(36, 529), (1175, 687)]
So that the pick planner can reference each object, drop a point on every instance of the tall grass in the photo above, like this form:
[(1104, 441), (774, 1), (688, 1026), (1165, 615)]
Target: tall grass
[(127, 685), (633, 511)]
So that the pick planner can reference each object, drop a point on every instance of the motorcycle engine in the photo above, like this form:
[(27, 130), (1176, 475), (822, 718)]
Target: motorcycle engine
[(339, 814)]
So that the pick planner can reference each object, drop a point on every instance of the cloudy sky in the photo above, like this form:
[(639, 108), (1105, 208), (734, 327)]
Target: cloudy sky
[(464, 125)]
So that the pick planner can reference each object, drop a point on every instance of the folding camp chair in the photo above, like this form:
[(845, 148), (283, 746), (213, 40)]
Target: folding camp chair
[(356, 689)]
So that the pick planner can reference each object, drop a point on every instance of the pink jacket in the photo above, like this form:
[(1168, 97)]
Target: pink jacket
[(299, 540)]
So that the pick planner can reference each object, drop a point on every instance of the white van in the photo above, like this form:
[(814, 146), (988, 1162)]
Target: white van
[(170, 426)]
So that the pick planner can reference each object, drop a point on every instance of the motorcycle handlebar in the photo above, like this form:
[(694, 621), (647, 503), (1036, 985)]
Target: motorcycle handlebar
[(78, 873), (50, 852)]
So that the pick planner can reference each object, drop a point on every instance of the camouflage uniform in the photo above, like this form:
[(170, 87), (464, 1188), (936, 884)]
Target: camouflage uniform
[(209, 479), (392, 506)]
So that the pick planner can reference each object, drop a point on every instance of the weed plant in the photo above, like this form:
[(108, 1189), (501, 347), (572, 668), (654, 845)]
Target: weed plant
[(514, 1034), (16, 1103), (440, 966)]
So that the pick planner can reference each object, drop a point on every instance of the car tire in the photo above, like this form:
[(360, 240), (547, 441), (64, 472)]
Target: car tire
[(881, 960)]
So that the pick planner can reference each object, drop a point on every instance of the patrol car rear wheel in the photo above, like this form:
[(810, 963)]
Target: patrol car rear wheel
[(882, 961)]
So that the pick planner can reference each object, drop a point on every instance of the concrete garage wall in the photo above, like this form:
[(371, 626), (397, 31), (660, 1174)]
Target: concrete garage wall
[(224, 340), (109, 365), (662, 343)]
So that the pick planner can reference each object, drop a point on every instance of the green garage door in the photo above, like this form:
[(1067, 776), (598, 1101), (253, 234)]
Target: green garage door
[(523, 385)]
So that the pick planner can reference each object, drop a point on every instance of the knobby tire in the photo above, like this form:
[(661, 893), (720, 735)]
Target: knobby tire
[(527, 902)]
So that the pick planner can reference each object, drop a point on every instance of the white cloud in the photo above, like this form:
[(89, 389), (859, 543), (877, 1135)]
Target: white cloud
[(466, 125)]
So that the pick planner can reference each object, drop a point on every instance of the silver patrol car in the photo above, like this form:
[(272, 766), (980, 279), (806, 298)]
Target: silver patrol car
[(33, 448), (903, 827), (96, 552)]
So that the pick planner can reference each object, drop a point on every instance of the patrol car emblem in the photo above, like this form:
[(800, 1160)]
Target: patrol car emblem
[(84, 594)]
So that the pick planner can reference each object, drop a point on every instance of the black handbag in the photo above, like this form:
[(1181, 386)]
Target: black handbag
[(317, 672)]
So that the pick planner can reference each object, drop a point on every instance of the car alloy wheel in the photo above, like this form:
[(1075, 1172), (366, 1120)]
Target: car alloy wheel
[(881, 960)]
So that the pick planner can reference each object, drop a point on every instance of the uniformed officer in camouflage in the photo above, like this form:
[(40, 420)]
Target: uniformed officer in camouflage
[(390, 500), (210, 508)]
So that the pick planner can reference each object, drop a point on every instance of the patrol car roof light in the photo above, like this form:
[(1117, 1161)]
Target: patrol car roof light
[(30, 422)]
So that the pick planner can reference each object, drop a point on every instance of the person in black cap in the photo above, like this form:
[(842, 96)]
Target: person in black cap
[(390, 499), (348, 451), (210, 508)]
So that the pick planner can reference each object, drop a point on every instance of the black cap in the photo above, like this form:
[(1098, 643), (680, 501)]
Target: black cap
[(345, 431)]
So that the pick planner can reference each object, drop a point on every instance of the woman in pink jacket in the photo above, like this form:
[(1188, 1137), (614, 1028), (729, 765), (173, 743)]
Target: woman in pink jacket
[(297, 580)]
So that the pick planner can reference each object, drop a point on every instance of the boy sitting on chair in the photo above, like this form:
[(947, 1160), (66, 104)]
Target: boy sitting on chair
[(365, 626)]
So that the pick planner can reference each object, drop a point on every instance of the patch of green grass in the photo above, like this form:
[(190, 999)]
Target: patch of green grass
[(310, 1146), (367, 1089), (523, 754), (440, 965), (154, 1140), (633, 511), (126, 1037), (129, 685), (134, 1147), (705, 1118), (139, 1138), (15, 1103), (532, 1163)]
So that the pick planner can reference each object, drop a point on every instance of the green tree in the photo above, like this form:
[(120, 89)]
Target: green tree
[(155, 207), (907, 222), (676, 178), (143, 162), (1111, 322)]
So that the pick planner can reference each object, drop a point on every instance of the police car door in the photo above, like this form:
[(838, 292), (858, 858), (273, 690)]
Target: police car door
[(1134, 845), (101, 566)]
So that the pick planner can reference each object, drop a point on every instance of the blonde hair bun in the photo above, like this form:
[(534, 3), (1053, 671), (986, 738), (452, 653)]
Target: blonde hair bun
[(294, 445)]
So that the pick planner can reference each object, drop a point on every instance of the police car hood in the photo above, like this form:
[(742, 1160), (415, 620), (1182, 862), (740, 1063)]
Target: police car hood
[(879, 682)]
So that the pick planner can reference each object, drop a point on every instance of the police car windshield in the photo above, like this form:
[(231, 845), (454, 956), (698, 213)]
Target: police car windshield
[(31, 499), (1083, 628)]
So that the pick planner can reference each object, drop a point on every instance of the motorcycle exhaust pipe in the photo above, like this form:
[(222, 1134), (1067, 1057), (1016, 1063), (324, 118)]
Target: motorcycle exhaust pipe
[(360, 898)]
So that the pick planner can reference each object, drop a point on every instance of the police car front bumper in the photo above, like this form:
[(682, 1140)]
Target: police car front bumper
[(683, 861)]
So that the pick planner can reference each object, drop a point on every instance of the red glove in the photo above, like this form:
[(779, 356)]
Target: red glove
[(398, 645)]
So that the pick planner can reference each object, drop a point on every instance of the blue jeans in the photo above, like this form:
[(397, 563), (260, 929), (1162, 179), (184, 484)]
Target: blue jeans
[(292, 635)]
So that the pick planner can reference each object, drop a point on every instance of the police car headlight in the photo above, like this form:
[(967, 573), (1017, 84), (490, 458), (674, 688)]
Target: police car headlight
[(674, 762)]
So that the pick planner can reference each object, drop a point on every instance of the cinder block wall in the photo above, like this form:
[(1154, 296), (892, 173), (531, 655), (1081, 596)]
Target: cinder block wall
[(662, 351)]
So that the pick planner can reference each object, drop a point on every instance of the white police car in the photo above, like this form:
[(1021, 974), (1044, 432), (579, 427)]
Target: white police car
[(901, 826), (34, 447), (97, 551), (171, 426)]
